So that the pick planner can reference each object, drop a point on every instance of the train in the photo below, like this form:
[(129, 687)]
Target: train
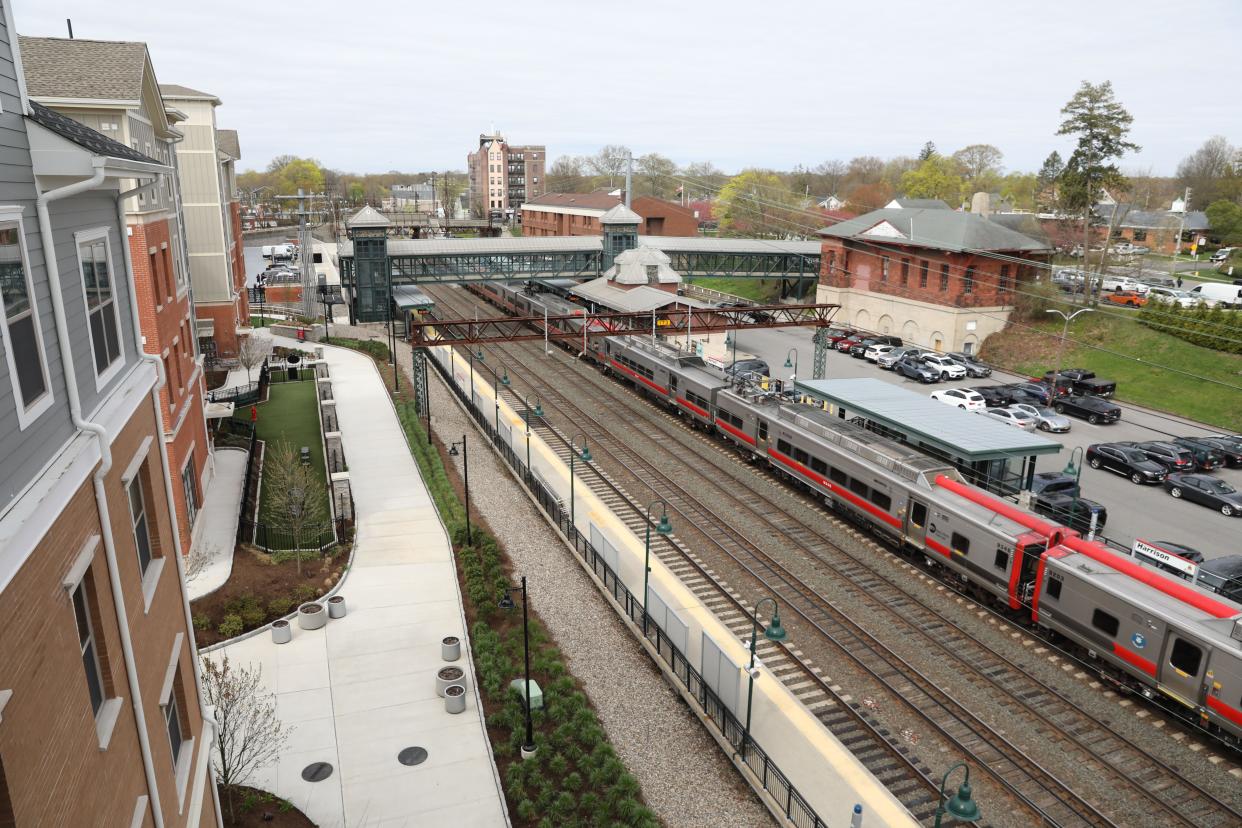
[(1148, 630)]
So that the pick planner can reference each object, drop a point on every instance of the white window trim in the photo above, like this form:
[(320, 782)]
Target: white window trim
[(151, 580), (79, 238), (135, 462), (171, 670), (81, 564), (25, 416)]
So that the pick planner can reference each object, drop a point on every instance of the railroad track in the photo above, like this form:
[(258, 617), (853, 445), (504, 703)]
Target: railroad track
[(1161, 786)]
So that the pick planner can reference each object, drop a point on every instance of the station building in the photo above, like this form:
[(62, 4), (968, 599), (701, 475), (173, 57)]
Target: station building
[(579, 214)]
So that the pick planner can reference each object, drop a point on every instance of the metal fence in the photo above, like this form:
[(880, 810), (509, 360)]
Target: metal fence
[(797, 810), (279, 539)]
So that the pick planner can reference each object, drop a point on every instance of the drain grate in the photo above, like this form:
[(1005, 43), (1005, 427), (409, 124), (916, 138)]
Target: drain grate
[(412, 756), (316, 771)]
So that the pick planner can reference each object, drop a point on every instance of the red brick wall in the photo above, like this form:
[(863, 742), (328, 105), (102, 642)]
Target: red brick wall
[(664, 218)]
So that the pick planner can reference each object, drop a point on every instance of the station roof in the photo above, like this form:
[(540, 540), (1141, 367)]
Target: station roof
[(938, 229), (956, 432), (602, 292), (409, 297), (583, 244)]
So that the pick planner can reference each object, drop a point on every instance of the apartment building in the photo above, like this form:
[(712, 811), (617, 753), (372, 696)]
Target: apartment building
[(101, 721), (503, 177), (212, 211), (111, 87)]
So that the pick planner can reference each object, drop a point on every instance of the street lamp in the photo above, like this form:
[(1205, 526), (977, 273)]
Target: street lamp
[(961, 806), (506, 603), (1075, 469), (1056, 378), (791, 361), (773, 632), (574, 454), (526, 414), (465, 465), (662, 528)]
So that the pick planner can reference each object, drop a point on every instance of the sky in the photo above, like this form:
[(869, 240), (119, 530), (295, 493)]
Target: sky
[(375, 85)]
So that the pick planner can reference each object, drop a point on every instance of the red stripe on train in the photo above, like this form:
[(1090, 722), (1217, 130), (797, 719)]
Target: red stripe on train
[(1232, 714), (1134, 659), (736, 432), (932, 543), (823, 481), (640, 377), (700, 411)]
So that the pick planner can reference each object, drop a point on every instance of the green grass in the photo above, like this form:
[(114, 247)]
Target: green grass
[(291, 416), (758, 290), (1145, 382)]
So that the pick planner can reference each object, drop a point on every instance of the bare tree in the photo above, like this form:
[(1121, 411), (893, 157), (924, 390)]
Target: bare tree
[(296, 495), (253, 351), (609, 162), (248, 733), (199, 558)]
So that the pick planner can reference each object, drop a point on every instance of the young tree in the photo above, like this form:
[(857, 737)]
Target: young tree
[(451, 185), (937, 177), (253, 351), (248, 733), (296, 496), (1100, 123), (758, 203)]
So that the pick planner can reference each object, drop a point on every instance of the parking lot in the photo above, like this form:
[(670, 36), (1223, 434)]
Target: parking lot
[(1134, 511)]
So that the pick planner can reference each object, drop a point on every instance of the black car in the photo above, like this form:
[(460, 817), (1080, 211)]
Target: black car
[(1082, 381), (1206, 455), (916, 370), (1206, 490), (994, 396), (1230, 446), (1223, 576), (1188, 552), (1092, 409), (1127, 461), (1021, 395), (859, 349), (749, 366), (1172, 457), (1074, 512), (1039, 390), (974, 368), (1049, 483)]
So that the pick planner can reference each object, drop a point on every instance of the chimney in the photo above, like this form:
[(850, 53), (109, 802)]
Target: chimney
[(980, 205)]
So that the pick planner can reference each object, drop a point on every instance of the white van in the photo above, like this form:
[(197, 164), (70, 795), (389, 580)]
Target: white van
[(1228, 295)]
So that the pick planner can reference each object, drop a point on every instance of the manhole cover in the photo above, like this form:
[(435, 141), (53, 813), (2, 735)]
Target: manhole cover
[(412, 756), (316, 771)]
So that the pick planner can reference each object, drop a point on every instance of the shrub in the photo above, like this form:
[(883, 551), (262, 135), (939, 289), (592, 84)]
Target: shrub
[(305, 592), (526, 809), (202, 621), (231, 626), (572, 782), (280, 605), (252, 613)]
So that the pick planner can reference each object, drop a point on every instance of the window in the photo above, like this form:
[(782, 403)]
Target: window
[(783, 447), (968, 280), (881, 499), (832, 263), (1104, 622), (1003, 283), (801, 456), (22, 334), (884, 268), (101, 304), (138, 519), (837, 476), (858, 487), (88, 648), (944, 278), (918, 514), (905, 272), (960, 543), (763, 430), (1186, 657), (923, 265), (1002, 560), (819, 466), (1140, 235), (1054, 589), (172, 719)]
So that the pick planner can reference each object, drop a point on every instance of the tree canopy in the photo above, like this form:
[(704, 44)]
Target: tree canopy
[(1101, 125), (1225, 218), (937, 177)]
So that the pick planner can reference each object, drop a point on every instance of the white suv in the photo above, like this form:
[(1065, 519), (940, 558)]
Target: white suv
[(876, 351), (948, 368), (963, 398)]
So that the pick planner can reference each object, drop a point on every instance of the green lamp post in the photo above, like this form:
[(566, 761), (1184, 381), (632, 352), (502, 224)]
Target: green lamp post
[(962, 805), (477, 353), (526, 414), (575, 454), (662, 528), (773, 632)]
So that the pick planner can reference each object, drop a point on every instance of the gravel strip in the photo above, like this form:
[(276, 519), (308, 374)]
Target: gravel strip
[(685, 778)]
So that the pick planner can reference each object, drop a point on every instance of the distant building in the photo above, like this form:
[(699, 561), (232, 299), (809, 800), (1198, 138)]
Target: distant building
[(917, 204), (578, 214), (418, 198), (832, 203), (504, 176), (927, 275), (1156, 229)]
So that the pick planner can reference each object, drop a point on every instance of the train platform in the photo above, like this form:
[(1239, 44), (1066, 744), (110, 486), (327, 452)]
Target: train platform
[(371, 742)]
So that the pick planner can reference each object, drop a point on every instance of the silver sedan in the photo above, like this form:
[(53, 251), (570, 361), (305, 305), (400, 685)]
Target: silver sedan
[(1046, 419)]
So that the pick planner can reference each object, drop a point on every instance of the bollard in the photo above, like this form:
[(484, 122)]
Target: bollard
[(856, 817)]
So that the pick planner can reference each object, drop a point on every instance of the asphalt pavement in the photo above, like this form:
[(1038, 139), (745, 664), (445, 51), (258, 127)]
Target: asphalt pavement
[(1146, 512)]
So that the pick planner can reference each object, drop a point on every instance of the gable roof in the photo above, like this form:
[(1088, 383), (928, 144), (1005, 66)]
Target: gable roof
[(226, 140), (85, 137), (918, 204), (368, 216), (620, 215), (173, 90), (934, 228), (57, 67), (1153, 219), (584, 201)]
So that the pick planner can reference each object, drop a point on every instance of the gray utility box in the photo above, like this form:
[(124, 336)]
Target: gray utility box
[(536, 694)]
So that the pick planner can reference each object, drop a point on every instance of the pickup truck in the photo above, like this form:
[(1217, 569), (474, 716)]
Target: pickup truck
[(1082, 381)]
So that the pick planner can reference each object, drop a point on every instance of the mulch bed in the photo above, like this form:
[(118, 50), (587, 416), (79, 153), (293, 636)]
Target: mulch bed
[(259, 809)]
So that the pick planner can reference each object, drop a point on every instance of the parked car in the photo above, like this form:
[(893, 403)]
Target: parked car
[(1182, 551), (844, 345), (749, 366), (1215, 293), (1054, 483), (948, 368), (859, 349), (874, 353), (1011, 416), (1172, 296), (1129, 298), (914, 369), (1126, 461), (1082, 381), (1232, 449), (1174, 458), (962, 398), (1222, 575), (974, 368), (1207, 491), (1040, 391), (1221, 255), (835, 335), (1074, 512), (1046, 419), (1087, 407), (994, 396), (1207, 456), (889, 359), (1113, 282)]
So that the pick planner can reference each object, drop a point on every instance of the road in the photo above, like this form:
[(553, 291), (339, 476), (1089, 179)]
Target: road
[(1146, 512)]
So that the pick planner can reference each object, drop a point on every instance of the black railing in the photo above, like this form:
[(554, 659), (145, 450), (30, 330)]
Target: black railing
[(270, 538), (797, 810)]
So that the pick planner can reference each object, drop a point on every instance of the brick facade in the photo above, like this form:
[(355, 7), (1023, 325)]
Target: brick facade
[(64, 777), (660, 218)]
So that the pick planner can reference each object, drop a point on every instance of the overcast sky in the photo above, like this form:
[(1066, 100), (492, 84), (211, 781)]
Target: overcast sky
[(376, 85)]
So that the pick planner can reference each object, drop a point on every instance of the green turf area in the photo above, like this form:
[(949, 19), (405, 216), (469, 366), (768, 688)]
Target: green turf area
[(290, 415), (758, 290), (1034, 351)]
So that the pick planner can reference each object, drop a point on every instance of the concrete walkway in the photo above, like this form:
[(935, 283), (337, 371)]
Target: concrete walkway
[(361, 690), (215, 531)]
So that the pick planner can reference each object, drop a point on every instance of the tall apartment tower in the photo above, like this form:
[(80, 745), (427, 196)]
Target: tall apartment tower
[(112, 89), (101, 721), (503, 177)]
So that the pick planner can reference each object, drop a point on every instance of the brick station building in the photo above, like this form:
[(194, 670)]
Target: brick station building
[(578, 214), (929, 275)]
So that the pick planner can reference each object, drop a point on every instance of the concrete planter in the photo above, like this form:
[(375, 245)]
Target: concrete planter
[(455, 698), (450, 648), (447, 676), (282, 633), (336, 606), (311, 616)]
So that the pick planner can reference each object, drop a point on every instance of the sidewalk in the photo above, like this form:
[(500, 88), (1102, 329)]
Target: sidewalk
[(361, 690), (216, 527)]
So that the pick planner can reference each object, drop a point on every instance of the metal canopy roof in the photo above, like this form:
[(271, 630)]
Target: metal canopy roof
[(409, 297), (958, 433), (583, 244), (642, 298)]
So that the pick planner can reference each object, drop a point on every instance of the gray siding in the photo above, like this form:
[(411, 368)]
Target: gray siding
[(24, 453)]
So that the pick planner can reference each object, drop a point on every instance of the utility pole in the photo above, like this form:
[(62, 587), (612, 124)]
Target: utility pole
[(1181, 226), (629, 176), (309, 283)]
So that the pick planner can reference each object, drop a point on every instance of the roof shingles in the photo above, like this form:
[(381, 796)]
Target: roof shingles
[(934, 228), (85, 137), (85, 69)]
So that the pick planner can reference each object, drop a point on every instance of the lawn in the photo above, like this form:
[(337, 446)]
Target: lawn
[(290, 415), (1143, 382), (758, 290)]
